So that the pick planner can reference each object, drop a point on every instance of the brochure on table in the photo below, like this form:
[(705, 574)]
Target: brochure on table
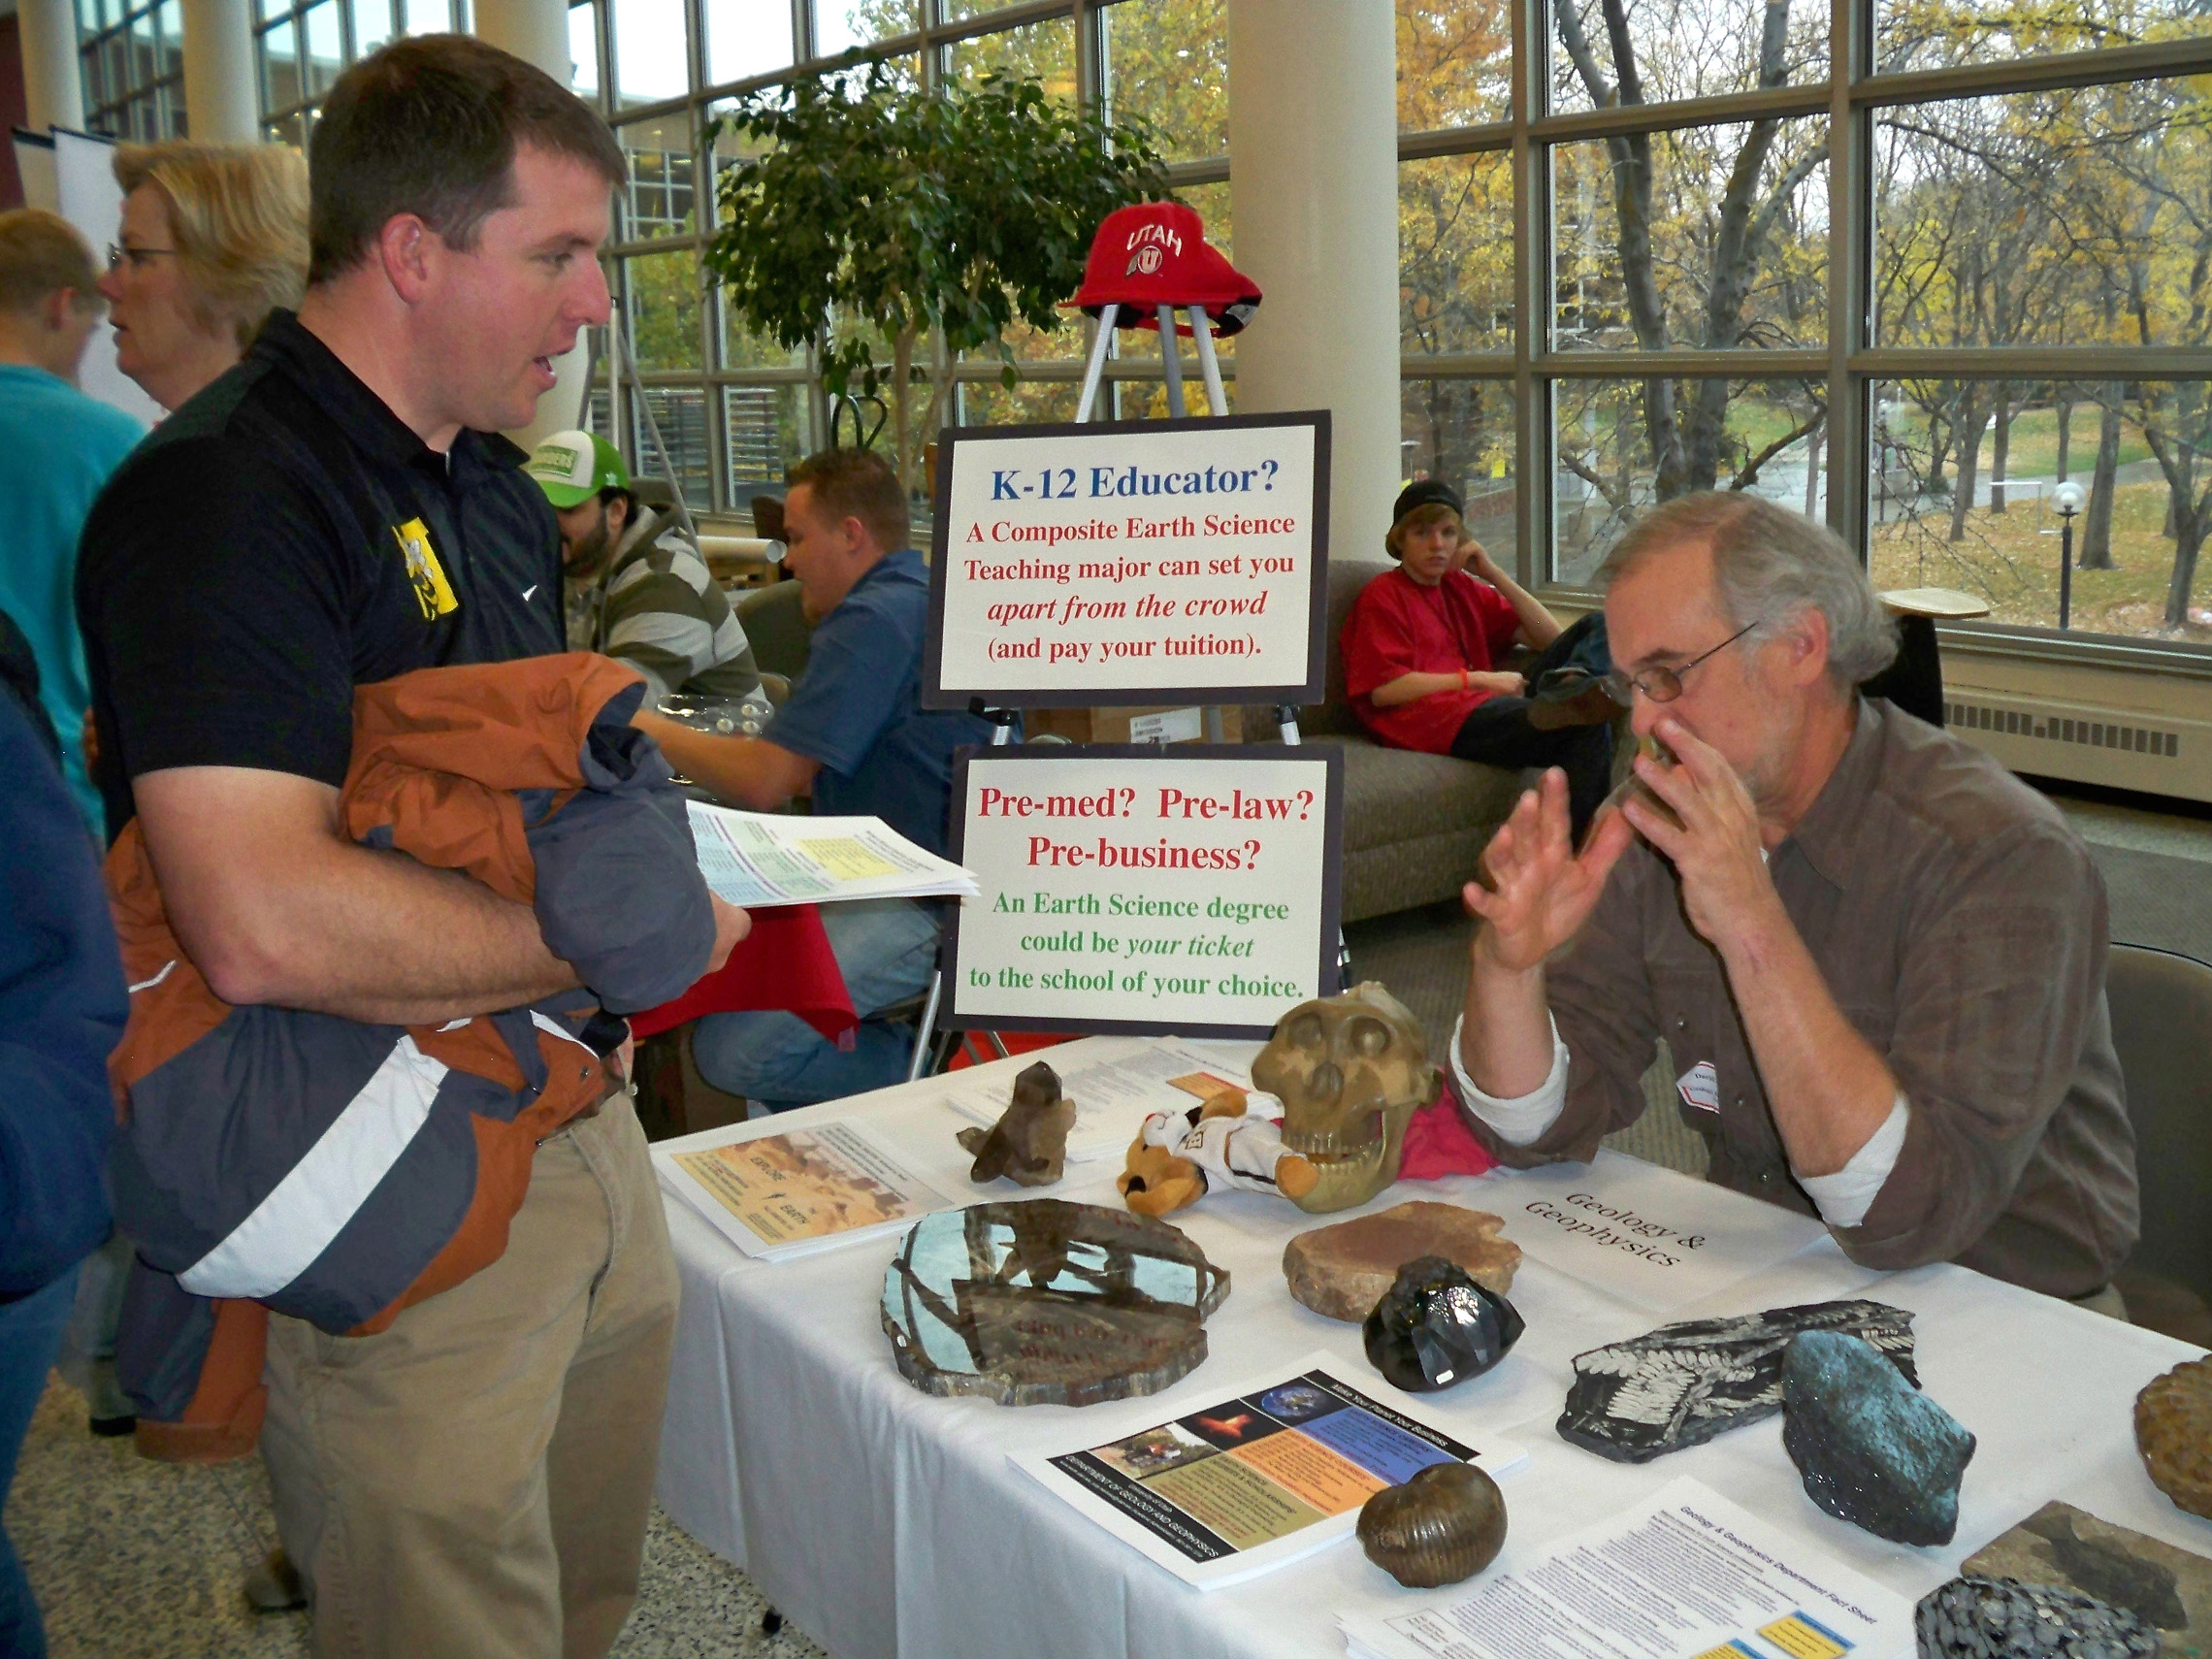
[(1276, 1470), (1685, 1575), (782, 1192), (1129, 561), (1639, 1233), (758, 860), (1113, 1092), (1192, 891)]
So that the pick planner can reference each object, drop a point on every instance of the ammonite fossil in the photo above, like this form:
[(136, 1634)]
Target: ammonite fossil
[(2173, 1431), (1446, 1524)]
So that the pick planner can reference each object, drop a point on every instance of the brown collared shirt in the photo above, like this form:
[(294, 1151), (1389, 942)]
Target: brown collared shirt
[(1960, 924)]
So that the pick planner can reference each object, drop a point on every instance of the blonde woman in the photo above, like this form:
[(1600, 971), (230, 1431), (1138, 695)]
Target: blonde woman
[(213, 238)]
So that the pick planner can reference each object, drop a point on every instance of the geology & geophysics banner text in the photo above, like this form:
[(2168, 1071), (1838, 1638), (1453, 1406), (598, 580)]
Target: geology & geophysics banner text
[(1129, 561)]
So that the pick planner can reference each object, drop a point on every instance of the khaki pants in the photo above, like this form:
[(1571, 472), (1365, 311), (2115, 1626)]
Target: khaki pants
[(474, 1480)]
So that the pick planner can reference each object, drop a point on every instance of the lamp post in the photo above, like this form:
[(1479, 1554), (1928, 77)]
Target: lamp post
[(2067, 499)]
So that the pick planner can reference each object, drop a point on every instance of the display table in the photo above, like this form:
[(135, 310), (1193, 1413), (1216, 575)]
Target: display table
[(884, 1521)]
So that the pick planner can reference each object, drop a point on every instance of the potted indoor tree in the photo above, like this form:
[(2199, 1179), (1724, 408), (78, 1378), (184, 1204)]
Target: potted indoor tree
[(907, 213)]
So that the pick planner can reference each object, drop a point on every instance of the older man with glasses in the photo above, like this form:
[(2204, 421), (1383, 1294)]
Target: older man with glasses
[(1876, 958)]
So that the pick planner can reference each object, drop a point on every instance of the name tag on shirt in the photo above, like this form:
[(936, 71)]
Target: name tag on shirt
[(1700, 1088)]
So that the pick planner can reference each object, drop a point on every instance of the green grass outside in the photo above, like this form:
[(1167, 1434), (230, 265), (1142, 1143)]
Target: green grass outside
[(2005, 561)]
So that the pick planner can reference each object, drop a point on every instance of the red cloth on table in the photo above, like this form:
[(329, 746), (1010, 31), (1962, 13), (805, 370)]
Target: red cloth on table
[(1398, 626), (1439, 1143), (784, 963)]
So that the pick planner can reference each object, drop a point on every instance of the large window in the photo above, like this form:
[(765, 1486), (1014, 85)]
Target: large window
[(132, 53), (732, 411), (300, 47), (1903, 265)]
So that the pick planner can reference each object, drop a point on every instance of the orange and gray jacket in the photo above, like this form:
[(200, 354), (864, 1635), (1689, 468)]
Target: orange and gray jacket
[(338, 1171)]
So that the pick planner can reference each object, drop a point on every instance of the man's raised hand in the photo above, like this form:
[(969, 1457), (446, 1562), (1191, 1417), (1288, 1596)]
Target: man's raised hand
[(1539, 891)]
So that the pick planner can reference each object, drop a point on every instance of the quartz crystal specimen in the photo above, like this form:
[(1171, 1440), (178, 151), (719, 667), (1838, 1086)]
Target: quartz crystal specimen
[(1029, 1143), (1341, 1271), (2003, 1618), (1444, 1524), (1683, 1383), (1873, 1450), (1040, 1302), (1436, 1326), (2173, 1432)]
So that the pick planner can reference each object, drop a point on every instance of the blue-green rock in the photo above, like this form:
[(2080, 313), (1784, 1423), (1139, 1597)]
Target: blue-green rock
[(1873, 1450)]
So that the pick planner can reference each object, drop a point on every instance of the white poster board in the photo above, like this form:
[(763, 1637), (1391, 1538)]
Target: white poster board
[(1129, 561), (1124, 890), (89, 198)]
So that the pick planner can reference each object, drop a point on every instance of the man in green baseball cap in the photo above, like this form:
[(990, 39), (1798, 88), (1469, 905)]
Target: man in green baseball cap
[(636, 587)]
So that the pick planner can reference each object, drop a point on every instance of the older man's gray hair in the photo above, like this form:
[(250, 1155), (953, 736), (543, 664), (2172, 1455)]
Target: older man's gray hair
[(1770, 564)]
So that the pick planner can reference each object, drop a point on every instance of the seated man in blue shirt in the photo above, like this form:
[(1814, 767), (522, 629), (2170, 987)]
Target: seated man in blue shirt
[(856, 733)]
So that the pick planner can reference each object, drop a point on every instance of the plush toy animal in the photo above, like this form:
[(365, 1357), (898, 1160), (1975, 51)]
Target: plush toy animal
[(1177, 1156)]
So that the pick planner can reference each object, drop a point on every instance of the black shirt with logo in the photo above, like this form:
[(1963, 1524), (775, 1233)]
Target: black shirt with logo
[(280, 539)]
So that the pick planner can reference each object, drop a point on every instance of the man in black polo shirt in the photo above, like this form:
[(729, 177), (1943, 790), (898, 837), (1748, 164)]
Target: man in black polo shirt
[(474, 1479)]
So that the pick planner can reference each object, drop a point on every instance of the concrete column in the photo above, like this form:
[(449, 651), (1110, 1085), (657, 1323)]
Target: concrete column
[(222, 105), (537, 31), (1313, 210), (53, 85)]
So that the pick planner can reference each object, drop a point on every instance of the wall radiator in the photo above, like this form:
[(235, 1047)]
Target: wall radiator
[(2157, 754)]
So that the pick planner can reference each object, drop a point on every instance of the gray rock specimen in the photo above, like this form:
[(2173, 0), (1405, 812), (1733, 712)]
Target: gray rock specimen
[(2003, 1618), (1444, 1524), (1873, 1450), (1683, 1383), (1436, 1326)]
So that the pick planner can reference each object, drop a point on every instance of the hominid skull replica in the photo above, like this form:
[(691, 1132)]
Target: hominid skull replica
[(1350, 1071)]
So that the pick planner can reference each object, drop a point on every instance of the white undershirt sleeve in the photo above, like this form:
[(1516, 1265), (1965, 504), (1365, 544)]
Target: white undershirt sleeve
[(1523, 1121), (1845, 1198)]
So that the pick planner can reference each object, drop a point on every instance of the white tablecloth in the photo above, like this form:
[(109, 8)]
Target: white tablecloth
[(885, 1521)]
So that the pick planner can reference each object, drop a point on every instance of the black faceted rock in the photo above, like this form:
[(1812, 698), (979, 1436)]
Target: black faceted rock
[(1436, 1326), (2003, 1618), (1873, 1450), (1683, 1383)]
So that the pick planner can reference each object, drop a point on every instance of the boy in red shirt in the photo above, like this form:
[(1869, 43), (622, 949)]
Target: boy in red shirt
[(1419, 645)]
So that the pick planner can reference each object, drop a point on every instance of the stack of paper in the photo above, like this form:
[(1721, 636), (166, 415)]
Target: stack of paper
[(758, 860), (1685, 1575), (775, 1193), (1274, 1471)]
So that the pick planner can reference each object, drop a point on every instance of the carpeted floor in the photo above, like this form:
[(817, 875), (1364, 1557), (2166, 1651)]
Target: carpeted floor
[(136, 1560)]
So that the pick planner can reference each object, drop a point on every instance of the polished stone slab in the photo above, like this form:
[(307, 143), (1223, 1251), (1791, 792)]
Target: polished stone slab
[(1043, 1302)]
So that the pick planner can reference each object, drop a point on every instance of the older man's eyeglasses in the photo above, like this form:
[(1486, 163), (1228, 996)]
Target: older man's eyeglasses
[(138, 256), (1663, 685)]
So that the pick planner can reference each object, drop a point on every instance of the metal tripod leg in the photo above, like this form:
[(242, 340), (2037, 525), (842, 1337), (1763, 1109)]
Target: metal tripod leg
[(1097, 364), (1208, 364), (1171, 359)]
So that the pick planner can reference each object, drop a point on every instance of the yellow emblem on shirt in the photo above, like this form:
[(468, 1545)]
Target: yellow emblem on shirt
[(432, 591)]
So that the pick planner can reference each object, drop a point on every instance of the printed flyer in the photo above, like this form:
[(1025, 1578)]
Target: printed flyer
[(757, 860), (781, 1194), (1273, 1473), (1685, 1575)]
